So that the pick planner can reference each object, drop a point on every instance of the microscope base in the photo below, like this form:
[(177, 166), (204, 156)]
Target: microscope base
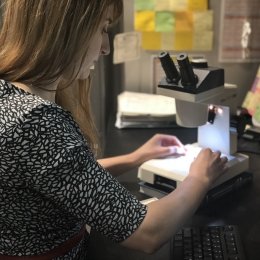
[(230, 186), (168, 173)]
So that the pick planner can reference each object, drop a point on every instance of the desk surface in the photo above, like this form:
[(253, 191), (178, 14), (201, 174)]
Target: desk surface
[(241, 208)]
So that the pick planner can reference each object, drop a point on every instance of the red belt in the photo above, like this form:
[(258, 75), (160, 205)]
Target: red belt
[(55, 252)]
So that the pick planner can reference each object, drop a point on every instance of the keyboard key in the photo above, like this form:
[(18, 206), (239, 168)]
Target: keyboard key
[(208, 243)]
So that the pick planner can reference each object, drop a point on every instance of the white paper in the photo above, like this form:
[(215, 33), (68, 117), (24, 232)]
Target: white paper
[(127, 47)]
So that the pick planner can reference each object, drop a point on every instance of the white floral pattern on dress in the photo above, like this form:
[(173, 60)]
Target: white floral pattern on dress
[(51, 183)]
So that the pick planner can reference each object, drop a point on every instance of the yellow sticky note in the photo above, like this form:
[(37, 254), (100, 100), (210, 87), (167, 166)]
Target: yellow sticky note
[(145, 21), (171, 5), (162, 5), (167, 41), (183, 40), (198, 5), (151, 41), (203, 21), (203, 41), (184, 21), (179, 5)]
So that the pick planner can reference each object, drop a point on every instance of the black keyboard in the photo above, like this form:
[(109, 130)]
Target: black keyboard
[(207, 243)]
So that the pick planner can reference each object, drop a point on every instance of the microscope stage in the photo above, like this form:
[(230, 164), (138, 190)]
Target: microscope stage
[(176, 168)]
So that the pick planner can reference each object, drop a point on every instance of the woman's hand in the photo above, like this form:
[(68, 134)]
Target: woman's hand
[(159, 146), (208, 166), (165, 216)]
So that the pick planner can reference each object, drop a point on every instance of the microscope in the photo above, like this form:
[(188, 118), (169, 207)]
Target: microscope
[(202, 101)]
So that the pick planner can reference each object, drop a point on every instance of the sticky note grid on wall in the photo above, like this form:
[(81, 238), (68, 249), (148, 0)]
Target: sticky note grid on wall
[(174, 24)]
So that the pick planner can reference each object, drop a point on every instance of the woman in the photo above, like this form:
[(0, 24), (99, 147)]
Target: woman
[(51, 183)]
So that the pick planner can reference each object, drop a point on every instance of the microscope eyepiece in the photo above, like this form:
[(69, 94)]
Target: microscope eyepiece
[(188, 78), (171, 72)]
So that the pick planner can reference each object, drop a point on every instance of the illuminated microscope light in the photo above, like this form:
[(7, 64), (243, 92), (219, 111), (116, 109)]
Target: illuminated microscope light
[(213, 111)]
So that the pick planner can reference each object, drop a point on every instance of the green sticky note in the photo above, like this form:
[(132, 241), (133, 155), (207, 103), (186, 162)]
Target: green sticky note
[(164, 22), (141, 5)]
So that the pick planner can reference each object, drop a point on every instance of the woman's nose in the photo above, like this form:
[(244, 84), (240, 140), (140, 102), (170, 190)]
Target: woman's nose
[(105, 47)]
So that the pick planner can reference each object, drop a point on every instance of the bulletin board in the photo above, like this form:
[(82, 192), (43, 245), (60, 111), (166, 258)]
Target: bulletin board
[(174, 25), (240, 33)]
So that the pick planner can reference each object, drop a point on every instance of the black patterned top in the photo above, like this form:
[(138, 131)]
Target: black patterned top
[(50, 182)]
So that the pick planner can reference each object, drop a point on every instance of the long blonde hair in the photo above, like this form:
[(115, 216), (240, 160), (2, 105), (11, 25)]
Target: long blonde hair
[(41, 40)]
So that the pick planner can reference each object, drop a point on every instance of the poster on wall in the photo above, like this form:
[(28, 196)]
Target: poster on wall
[(240, 34), (174, 24), (252, 100)]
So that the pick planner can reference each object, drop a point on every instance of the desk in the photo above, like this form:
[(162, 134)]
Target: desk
[(240, 208)]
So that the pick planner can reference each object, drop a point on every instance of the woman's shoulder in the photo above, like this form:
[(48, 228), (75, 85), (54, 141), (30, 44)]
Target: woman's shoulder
[(22, 109), (15, 100)]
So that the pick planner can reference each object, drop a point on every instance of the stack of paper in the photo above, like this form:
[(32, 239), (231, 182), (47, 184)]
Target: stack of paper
[(144, 110)]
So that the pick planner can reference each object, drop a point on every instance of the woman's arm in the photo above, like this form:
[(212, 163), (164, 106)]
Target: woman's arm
[(117, 165), (158, 146), (165, 216)]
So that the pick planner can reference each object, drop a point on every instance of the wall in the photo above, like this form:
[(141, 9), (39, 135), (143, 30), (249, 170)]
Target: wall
[(138, 73)]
